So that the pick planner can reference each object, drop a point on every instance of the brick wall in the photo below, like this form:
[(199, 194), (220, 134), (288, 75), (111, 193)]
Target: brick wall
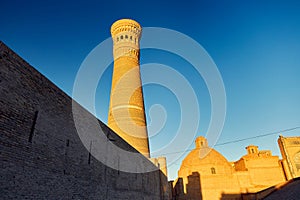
[(41, 154)]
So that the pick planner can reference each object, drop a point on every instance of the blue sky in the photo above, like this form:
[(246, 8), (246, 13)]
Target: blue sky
[(255, 45)]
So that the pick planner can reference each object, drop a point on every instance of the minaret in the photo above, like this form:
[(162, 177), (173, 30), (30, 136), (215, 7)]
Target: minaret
[(126, 110)]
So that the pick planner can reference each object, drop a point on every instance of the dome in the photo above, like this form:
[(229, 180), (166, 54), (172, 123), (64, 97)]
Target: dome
[(204, 160)]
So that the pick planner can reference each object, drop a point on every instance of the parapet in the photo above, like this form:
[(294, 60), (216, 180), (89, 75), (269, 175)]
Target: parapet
[(125, 25)]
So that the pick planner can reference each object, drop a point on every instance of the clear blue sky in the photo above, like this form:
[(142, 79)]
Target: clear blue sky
[(255, 44)]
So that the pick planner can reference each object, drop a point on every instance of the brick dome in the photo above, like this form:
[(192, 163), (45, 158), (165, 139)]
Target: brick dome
[(205, 160)]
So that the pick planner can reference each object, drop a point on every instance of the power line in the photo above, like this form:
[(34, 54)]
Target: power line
[(239, 140), (258, 136)]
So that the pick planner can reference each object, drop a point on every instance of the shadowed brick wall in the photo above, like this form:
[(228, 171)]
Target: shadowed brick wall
[(41, 154)]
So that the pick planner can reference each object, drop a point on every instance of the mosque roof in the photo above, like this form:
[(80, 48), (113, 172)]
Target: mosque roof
[(203, 156)]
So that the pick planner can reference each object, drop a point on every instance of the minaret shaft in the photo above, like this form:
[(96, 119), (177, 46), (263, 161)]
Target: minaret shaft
[(126, 111)]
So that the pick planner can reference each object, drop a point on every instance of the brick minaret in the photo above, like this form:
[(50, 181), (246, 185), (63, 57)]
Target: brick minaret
[(126, 110)]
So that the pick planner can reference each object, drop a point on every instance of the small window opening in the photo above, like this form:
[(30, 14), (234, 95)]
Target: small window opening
[(213, 170)]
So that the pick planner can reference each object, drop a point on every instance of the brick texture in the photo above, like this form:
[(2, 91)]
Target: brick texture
[(41, 154)]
